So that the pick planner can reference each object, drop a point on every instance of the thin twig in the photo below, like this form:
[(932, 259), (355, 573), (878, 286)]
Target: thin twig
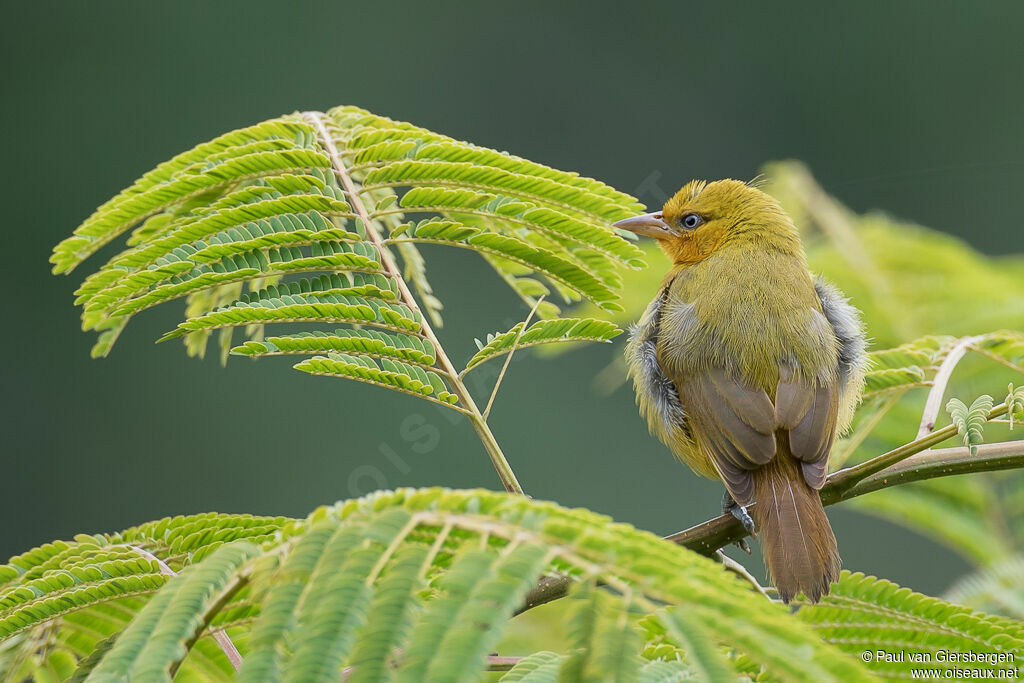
[(494, 663), (220, 635), (737, 568), (549, 587), (990, 457), (505, 473), (508, 358), (933, 405), (499, 663), (847, 478)]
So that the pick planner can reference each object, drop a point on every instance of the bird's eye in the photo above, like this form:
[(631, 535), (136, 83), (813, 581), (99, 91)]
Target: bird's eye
[(691, 221)]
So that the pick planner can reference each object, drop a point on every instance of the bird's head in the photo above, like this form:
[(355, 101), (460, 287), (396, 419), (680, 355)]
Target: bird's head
[(704, 217)]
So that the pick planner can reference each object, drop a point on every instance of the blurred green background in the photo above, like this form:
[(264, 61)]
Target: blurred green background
[(914, 108)]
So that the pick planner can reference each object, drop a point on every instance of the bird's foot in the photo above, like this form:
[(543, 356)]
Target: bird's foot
[(731, 507)]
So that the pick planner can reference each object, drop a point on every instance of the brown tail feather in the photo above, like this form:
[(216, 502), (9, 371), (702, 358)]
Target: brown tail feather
[(799, 547)]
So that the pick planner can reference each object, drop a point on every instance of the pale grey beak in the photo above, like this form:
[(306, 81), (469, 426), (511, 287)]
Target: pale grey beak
[(647, 224)]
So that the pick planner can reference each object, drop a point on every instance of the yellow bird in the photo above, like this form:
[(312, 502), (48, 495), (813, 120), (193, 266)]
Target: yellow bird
[(746, 367)]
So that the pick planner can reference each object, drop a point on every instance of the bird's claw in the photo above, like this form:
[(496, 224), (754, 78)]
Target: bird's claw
[(738, 511)]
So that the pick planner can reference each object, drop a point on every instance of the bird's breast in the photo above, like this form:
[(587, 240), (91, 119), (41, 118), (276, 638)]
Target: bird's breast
[(748, 313)]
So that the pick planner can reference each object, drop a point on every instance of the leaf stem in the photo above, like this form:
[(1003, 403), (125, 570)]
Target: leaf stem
[(476, 418), (508, 358), (227, 646), (933, 404)]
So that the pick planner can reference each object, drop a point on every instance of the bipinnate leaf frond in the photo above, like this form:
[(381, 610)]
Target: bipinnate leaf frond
[(268, 148), (957, 513), (1014, 404), (416, 583), (970, 422), (996, 589), (556, 331), (542, 667), (907, 366), (65, 603), (892, 372), (604, 646), (1003, 346), (573, 276), (154, 643), (865, 613), (393, 374), (293, 221)]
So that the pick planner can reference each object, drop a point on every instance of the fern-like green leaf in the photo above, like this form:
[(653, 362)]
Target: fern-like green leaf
[(1014, 404), (95, 577), (392, 374), (526, 283), (406, 347), (391, 616), (705, 662), (509, 215), (863, 613), (1004, 346), (604, 642), (540, 667), (339, 596), (155, 640), (970, 422), (481, 593), (959, 514), (419, 583), (115, 583), (205, 167), (574, 276), (905, 367), (544, 332), (287, 221), (468, 174), (332, 308), (996, 590), (276, 619)]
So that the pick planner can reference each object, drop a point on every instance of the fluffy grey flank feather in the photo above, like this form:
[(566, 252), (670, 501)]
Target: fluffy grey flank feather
[(649, 379), (845, 321)]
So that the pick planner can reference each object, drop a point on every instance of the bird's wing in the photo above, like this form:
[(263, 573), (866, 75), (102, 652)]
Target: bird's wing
[(808, 413), (737, 423), (734, 423)]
